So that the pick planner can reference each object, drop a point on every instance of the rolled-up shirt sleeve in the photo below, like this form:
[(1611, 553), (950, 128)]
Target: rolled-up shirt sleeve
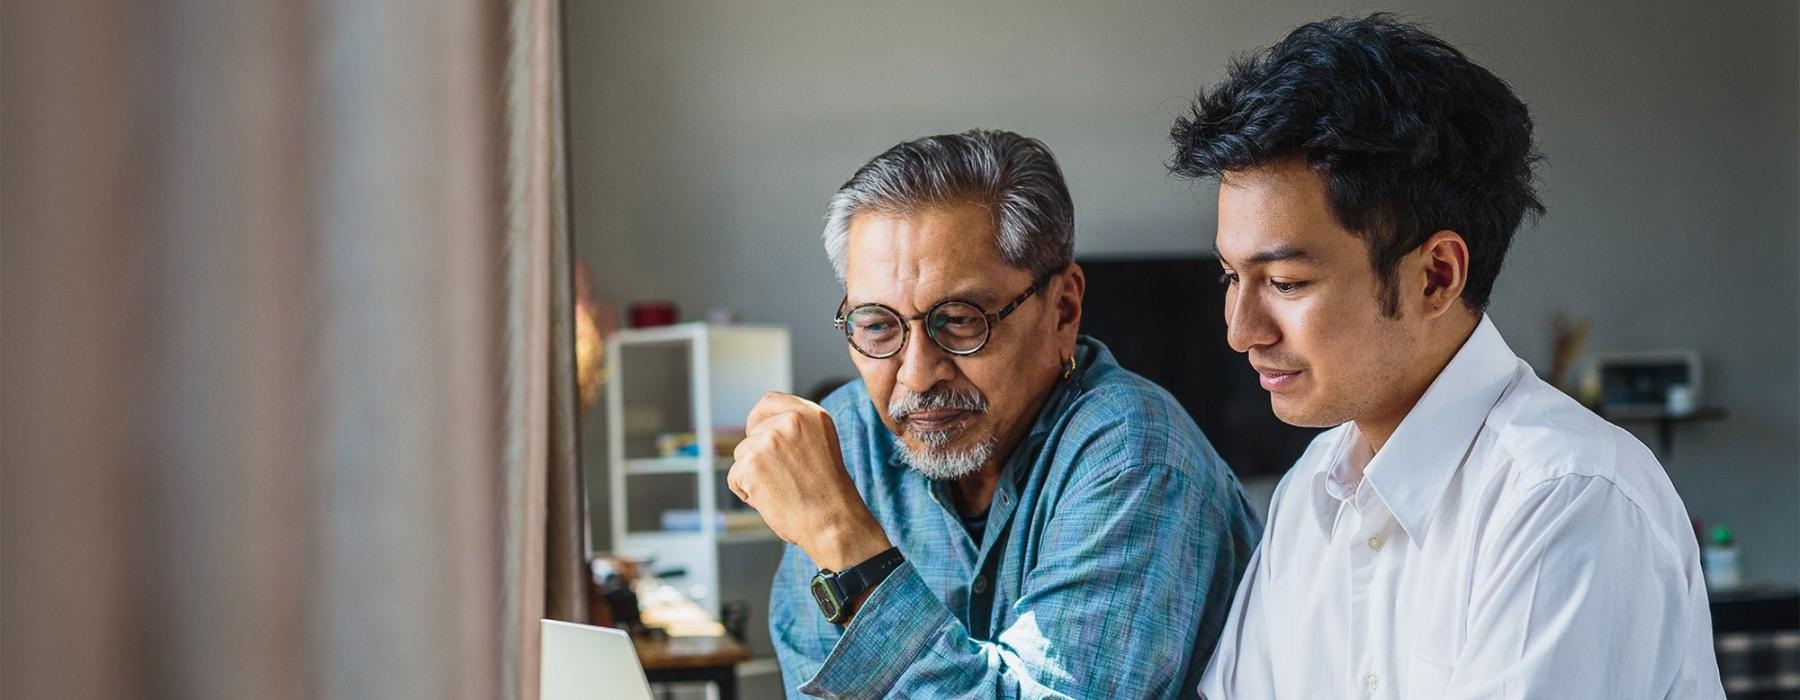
[(1110, 609), (798, 630)]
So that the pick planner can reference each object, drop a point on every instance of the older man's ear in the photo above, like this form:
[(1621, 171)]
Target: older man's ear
[(1067, 293)]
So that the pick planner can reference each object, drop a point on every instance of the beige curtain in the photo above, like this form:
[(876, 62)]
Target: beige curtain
[(283, 349), (544, 523)]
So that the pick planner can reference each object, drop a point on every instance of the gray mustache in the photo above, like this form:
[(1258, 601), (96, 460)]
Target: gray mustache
[(905, 403)]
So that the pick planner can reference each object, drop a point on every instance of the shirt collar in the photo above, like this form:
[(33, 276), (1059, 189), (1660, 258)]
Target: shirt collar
[(1415, 466), (1327, 494), (1090, 356)]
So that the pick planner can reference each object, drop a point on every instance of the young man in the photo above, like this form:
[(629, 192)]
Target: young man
[(1466, 531), (996, 508)]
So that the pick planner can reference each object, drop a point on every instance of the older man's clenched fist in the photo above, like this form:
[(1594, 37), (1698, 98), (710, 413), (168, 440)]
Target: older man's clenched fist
[(789, 469)]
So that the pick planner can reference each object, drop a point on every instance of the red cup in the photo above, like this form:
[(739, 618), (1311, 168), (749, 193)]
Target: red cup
[(645, 314)]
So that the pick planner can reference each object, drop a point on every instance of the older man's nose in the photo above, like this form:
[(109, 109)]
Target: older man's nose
[(923, 364)]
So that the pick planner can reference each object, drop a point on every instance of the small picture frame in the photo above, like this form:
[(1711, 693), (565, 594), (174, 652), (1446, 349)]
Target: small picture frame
[(1662, 383)]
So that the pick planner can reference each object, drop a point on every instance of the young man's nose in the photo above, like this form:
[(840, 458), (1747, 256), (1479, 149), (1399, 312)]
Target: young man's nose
[(1247, 323)]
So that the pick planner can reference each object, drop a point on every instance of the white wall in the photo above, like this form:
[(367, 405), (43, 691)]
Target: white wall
[(708, 134)]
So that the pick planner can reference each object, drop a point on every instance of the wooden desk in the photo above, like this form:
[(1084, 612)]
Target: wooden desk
[(697, 648)]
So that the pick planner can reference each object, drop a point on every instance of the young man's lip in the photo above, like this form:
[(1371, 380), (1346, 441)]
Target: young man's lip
[(1273, 380)]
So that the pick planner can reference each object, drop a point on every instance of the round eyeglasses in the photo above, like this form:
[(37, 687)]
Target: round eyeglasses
[(959, 327)]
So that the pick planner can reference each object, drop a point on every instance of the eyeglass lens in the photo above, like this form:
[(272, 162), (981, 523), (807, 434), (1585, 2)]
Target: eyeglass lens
[(954, 326)]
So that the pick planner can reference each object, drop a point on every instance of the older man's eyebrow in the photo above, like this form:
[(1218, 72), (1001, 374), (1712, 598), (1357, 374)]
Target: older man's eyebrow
[(981, 296)]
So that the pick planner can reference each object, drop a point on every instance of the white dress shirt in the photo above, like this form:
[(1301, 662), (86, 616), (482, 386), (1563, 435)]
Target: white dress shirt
[(1504, 543)]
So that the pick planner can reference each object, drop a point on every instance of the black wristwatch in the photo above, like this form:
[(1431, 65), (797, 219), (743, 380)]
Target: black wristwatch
[(835, 591)]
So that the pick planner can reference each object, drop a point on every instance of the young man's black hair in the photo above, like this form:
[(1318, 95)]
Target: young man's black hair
[(1412, 136)]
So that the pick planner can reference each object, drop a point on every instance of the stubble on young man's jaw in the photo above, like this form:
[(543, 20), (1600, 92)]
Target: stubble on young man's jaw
[(1355, 361)]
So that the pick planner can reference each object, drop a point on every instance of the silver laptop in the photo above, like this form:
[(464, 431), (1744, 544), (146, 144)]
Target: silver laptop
[(583, 662)]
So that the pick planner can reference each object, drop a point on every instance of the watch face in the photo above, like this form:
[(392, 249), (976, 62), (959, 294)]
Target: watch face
[(827, 599)]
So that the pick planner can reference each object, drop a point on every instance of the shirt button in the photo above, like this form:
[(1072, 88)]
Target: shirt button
[(1375, 543), (980, 584), (1371, 681)]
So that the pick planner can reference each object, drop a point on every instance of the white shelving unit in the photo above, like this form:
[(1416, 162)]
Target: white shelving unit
[(697, 378)]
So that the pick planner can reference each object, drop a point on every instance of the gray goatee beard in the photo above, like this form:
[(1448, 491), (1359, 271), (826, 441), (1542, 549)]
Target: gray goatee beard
[(938, 460)]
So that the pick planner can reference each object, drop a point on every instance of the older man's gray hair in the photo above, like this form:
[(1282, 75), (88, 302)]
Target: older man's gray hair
[(1014, 177)]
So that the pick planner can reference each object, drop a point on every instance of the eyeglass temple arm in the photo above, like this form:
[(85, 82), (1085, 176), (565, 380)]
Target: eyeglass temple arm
[(1008, 309)]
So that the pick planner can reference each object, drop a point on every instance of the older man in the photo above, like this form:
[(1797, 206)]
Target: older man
[(996, 507)]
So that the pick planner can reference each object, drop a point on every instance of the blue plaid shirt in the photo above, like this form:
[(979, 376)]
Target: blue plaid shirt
[(1110, 555)]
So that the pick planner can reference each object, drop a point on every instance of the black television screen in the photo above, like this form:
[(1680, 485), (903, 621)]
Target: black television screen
[(1164, 318)]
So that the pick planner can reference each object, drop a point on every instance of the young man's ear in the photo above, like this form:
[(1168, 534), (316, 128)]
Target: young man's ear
[(1444, 259)]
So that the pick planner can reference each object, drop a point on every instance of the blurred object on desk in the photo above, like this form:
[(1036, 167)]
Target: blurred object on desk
[(1756, 632), (683, 643), (665, 607), (612, 599)]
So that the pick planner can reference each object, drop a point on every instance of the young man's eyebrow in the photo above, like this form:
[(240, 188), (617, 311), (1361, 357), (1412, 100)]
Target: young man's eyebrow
[(1278, 253)]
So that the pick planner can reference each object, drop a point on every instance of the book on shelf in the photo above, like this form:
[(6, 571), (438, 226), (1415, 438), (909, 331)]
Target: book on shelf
[(689, 520)]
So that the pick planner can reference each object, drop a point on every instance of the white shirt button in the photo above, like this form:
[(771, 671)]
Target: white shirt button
[(1375, 543), (1371, 681)]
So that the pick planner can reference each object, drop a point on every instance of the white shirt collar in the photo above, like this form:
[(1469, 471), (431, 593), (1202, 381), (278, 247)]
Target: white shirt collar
[(1416, 464)]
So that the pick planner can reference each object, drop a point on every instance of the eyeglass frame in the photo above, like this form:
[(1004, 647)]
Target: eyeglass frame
[(842, 319)]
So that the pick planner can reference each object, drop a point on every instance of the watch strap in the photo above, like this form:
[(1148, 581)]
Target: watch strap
[(853, 581)]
